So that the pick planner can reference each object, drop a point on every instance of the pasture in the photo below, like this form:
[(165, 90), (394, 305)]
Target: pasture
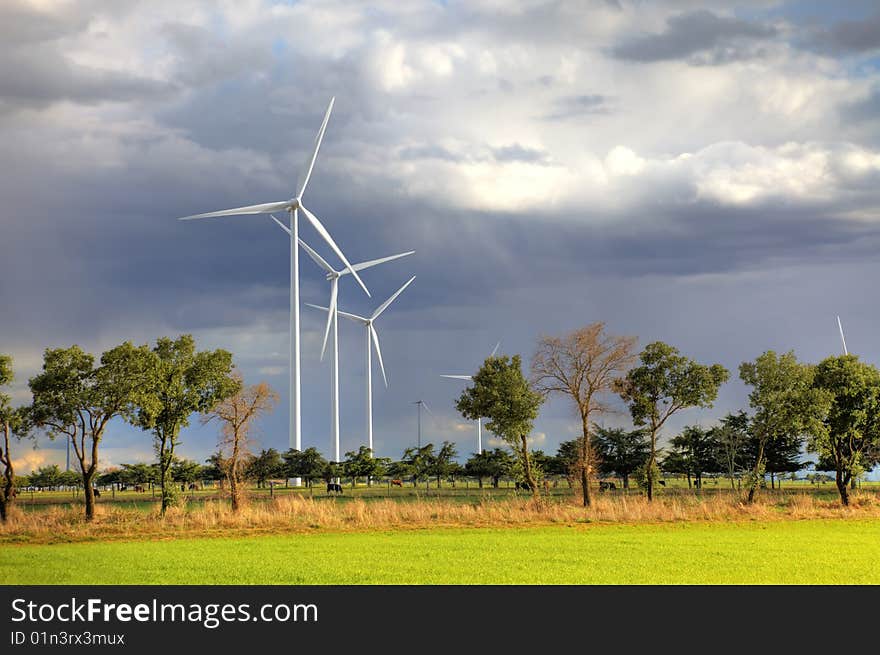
[(818, 551)]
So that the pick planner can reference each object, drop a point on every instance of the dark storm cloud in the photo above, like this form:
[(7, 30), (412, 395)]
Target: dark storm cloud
[(91, 250), (34, 71), (40, 76), (846, 37), (865, 110), (579, 105), (701, 34), (517, 152)]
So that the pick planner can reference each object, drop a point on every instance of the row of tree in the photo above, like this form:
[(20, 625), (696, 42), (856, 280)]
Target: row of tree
[(832, 407), (158, 389)]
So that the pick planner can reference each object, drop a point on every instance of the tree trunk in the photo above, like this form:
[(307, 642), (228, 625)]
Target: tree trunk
[(166, 484), (89, 493), (527, 465), (586, 462), (649, 473), (759, 462), (8, 494), (842, 481), (690, 484), (626, 480)]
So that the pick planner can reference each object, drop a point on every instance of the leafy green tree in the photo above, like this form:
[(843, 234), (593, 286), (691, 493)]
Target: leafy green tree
[(664, 383), (501, 393), (307, 464), (265, 465), (731, 440), (443, 462), (782, 455), (12, 422), (785, 404), (182, 381), (493, 464), (568, 456), (620, 452), (582, 366), (70, 479), (139, 474), (186, 471), (75, 398), (46, 477), (851, 434), (693, 453), (418, 462), (111, 476), (360, 463), (400, 470)]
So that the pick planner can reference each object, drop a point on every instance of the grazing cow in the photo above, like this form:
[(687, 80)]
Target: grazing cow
[(97, 493), (139, 488), (524, 486), (397, 483), (607, 486), (193, 487), (662, 483), (334, 487)]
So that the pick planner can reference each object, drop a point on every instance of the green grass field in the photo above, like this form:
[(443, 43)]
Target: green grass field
[(783, 552)]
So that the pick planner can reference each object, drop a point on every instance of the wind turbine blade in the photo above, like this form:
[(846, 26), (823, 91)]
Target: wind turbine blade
[(378, 352), (318, 140), (840, 325), (385, 304), (320, 261), (353, 317), (282, 225), (266, 208), (333, 291), (458, 377), (495, 349), (376, 262), (326, 236)]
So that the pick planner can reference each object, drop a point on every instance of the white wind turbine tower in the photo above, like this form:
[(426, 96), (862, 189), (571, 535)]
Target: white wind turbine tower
[(292, 207), (842, 339), (332, 319), (372, 336), (470, 378)]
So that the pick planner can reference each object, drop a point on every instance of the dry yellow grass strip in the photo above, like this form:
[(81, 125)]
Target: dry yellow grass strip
[(298, 514)]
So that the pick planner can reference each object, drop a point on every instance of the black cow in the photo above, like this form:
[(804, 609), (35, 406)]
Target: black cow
[(97, 493), (607, 486), (662, 483), (524, 486), (332, 486)]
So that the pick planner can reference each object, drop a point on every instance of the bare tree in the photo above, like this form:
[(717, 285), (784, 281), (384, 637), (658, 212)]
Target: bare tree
[(583, 365), (237, 415)]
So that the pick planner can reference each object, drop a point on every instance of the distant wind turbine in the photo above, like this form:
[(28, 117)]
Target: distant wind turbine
[(292, 207), (843, 340), (421, 403), (332, 319), (479, 420), (372, 340)]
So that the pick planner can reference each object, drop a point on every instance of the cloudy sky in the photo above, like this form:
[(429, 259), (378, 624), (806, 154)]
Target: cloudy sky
[(703, 173)]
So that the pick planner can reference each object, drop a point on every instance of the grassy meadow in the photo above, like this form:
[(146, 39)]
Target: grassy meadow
[(450, 537), (819, 551)]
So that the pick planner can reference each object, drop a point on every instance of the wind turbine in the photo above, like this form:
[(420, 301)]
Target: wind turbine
[(372, 336), (840, 326), (421, 403), (292, 207), (470, 378), (332, 319)]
